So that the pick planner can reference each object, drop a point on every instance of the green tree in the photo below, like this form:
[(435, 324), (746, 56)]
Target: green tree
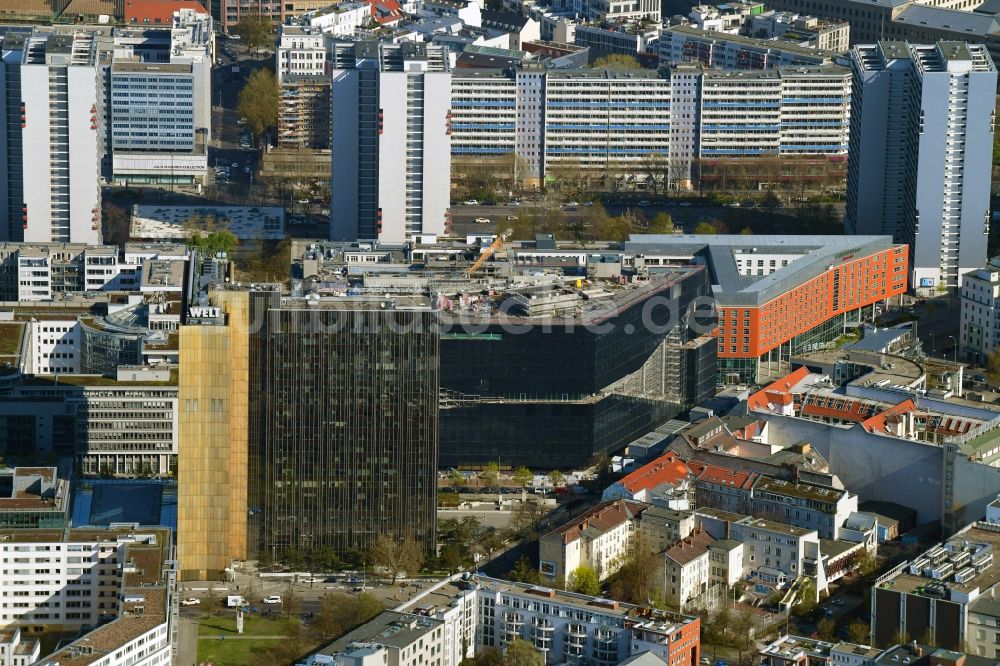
[(491, 543), (557, 478), (746, 231), (662, 223), (743, 633), (255, 31), (522, 653), (584, 580), (490, 476), (293, 559), (617, 61), (704, 228), (770, 201), (456, 480), (397, 555), (522, 477), (524, 572), (857, 632), (453, 557), (259, 101)]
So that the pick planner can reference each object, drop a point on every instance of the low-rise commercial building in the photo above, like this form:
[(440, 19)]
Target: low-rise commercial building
[(979, 331)]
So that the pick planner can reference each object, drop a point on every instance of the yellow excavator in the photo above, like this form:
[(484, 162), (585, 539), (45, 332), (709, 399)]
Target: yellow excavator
[(490, 250)]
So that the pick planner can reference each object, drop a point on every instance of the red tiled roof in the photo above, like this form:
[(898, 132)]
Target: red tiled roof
[(386, 11), (689, 549), (731, 478), (602, 517), (668, 468), (158, 12), (777, 392), (879, 421)]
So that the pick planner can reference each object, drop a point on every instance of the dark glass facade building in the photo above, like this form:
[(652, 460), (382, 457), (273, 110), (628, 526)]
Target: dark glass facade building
[(557, 395), (343, 425)]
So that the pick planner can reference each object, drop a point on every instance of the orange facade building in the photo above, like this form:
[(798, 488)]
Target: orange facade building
[(778, 296)]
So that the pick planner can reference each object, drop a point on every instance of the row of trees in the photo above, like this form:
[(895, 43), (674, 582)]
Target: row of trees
[(489, 478), (594, 224)]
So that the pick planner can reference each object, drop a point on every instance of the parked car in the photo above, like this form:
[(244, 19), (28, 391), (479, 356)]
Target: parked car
[(190, 601), (273, 600), (470, 202), (482, 220)]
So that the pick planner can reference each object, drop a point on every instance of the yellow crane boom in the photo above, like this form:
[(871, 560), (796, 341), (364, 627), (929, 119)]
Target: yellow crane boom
[(492, 248)]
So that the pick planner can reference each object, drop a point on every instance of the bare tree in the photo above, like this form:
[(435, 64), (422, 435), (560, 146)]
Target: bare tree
[(397, 555)]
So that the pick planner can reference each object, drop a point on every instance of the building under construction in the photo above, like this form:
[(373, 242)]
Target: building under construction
[(549, 356)]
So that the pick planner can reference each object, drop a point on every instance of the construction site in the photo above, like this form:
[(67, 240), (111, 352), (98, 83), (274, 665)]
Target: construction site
[(560, 354)]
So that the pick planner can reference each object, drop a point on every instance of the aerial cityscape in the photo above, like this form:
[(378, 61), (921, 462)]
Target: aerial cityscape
[(499, 333)]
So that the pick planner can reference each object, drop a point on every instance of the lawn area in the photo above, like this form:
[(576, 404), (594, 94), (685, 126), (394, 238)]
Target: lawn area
[(10, 338), (237, 651)]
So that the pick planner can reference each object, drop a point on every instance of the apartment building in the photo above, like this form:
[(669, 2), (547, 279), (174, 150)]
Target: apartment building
[(391, 143), (782, 111), (825, 280), (124, 579), (531, 125), (687, 573), (920, 155), (566, 627), (685, 44), (776, 553), (597, 539), (59, 112), (50, 271), (979, 333), (659, 527), (809, 31), (301, 66), (391, 638), (804, 505)]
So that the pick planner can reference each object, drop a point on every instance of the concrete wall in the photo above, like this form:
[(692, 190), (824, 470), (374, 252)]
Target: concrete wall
[(873, 466)]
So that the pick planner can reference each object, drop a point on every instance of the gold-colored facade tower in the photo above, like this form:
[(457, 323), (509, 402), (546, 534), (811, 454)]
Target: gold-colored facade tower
[(212, 447)]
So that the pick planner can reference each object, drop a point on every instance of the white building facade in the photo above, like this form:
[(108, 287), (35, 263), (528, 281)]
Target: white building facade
[(390, 142)]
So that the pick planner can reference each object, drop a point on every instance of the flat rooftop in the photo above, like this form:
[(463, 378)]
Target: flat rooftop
[(813, 256), (972, 556), (155, 222)]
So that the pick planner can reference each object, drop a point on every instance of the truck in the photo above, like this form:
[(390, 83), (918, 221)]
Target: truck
[(234, 600)]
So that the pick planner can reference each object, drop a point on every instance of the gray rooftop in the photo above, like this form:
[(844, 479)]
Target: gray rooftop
[(971, 24), (816, 254), (389, 628)]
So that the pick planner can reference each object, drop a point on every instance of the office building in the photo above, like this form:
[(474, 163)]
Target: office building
[(212, 436), (827, 281), (979, 333), (390, 143), (343, 423), (597, 392), (945, 597), (160, 96), (921, 153)]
